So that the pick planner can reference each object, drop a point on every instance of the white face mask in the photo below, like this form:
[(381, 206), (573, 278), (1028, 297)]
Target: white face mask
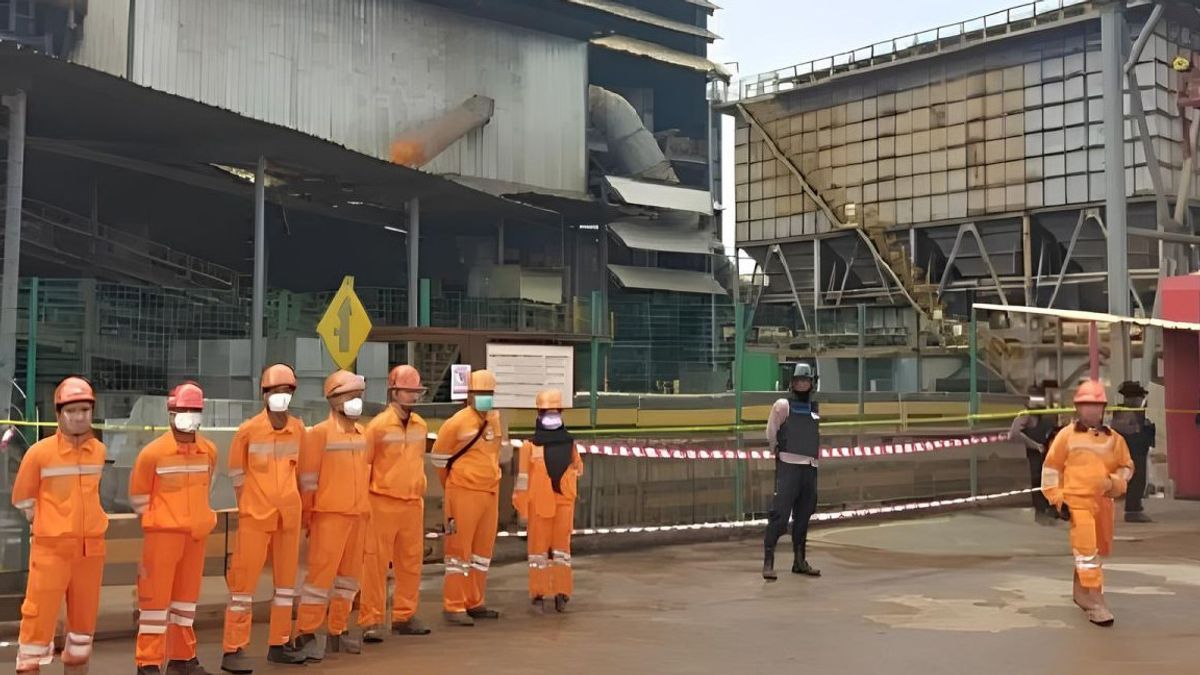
[(552, 421), (279, 402), (187, 422), (353, 408)]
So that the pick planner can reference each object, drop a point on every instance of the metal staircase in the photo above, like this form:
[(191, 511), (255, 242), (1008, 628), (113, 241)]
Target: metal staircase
[(892, 251)]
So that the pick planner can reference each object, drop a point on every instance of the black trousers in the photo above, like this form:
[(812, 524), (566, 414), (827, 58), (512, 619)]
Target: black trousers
[(795, 496), (1137, 485), (1035, 458)]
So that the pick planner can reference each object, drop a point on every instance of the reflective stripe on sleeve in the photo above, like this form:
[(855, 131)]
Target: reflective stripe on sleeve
[(522, 482), (1050, 477)]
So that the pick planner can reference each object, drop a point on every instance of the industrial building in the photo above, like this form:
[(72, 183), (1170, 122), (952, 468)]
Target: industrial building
[(918, 176), (188, 181)]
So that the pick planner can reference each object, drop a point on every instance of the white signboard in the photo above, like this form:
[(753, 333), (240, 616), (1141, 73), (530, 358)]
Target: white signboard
[(524, 370), (460, 378)]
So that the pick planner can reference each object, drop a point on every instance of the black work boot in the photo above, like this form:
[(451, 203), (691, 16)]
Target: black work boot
[(537, 605), (482, 612), (310, 646), (237, 663), (343, 644), (149, 670), (801, 566), (1137, 517), (286, 655), (413, 626), (560, 603), (190, 667), (768, 571)]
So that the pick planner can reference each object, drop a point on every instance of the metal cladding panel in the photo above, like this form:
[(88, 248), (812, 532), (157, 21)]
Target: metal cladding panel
[(358, 73), (1010, 126), (104, 44)]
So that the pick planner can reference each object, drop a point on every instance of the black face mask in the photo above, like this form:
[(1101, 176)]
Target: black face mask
[(801, 395)]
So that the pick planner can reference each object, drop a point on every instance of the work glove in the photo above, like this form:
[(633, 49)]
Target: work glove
[(1064, 512)]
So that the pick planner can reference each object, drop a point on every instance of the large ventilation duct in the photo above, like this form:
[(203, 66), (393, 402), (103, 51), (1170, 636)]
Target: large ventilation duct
[(420, 145), (630, 143)]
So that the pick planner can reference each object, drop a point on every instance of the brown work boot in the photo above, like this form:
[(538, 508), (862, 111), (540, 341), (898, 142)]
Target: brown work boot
[(1099, 614), (1081, 595)]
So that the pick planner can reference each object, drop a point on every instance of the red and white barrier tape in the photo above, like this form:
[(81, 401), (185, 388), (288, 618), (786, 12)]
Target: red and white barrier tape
[(844, 452), (828, 516)]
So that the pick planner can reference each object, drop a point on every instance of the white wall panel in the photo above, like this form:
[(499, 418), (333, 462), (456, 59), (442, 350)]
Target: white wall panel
[(357, 73)]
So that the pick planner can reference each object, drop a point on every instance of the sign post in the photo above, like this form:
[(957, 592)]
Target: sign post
[(345, 326)]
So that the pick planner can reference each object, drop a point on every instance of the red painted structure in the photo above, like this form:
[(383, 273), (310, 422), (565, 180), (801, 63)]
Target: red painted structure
[(1181, 377)]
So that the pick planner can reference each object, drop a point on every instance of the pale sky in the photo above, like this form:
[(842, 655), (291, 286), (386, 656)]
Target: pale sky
[(762, 35)]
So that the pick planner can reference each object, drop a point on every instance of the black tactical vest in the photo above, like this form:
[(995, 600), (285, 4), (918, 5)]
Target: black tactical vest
[(1043, 431), (801, 432)]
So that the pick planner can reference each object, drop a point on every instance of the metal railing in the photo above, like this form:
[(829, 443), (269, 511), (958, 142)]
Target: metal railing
[(970, 30)]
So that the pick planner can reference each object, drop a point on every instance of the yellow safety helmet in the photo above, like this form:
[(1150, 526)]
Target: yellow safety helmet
[(1181, 64)]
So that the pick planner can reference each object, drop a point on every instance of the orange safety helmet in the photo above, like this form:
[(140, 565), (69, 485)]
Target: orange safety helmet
[(187, 396), (1091, 391), (344, 382), (405, 377), (549, 399), (73, 389), (482, 381), (278, 375)]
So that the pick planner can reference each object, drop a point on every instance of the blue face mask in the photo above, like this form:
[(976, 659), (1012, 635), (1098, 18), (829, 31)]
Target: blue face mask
[(483, 402)]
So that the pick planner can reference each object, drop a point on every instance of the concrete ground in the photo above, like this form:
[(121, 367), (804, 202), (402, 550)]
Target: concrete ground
[(976, 592)]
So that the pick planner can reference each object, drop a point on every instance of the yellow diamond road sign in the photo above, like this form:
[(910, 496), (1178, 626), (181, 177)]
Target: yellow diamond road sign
[(345, 326)]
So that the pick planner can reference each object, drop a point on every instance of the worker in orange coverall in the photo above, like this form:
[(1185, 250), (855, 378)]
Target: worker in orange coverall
[(334, 478), (58, 490), (396, 449), (1087, 466), (467, 456), (544, 495), (263, 461), (169, 487)]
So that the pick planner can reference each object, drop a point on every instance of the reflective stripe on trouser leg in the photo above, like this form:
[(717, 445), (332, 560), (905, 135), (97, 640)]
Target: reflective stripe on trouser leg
[(151, 637), (185, 590), (245, 568), (32, 657), (539, 576), (560, 546), (1084, 536), (77, 648), (340, 603), (329, 536), (1090, 570)]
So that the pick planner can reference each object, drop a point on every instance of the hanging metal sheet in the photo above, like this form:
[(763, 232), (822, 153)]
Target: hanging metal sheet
[(659, 279), (657, 52), (638, 193), (656, 237)]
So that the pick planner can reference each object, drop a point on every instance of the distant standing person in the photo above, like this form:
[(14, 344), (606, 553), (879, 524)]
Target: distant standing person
[(1036, 430), (794, 434), (1140, 435)]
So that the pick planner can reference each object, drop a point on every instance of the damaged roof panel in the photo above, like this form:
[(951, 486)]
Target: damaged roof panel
[(656, 195), (642, 16), (657, 52), (646, 236)]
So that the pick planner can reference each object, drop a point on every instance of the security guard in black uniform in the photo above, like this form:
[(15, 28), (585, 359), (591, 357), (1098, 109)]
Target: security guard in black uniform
[(794, 433), (1035, 430), (1140, 435)]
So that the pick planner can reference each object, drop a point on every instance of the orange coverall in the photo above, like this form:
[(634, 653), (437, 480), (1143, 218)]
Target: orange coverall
[(471, 504), (1077, 470), (262, 464), (59, 484), (169, 487), (333, 486), (396, 534), (551, 517)]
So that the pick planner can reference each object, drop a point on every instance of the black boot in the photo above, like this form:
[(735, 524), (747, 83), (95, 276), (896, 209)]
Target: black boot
[(310, 646), (768, 571), (149, 670), (237, 662), (286, 655), (560, 603), (482, 612), (189, 667), (801, 566)]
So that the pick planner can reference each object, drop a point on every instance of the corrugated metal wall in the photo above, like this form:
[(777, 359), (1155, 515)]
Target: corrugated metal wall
[(999, 129), (104, 44), (358, 71)]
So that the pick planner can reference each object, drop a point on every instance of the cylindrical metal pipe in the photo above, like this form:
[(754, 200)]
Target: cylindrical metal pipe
[(1112, 39), (414, 272), (15, 103), (257, 348)]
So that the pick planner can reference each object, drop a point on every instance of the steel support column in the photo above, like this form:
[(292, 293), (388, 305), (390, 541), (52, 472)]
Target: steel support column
[(414, 272), (787, 272), (969, 228), (258, 300), (15, 197), (1112, 40)]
